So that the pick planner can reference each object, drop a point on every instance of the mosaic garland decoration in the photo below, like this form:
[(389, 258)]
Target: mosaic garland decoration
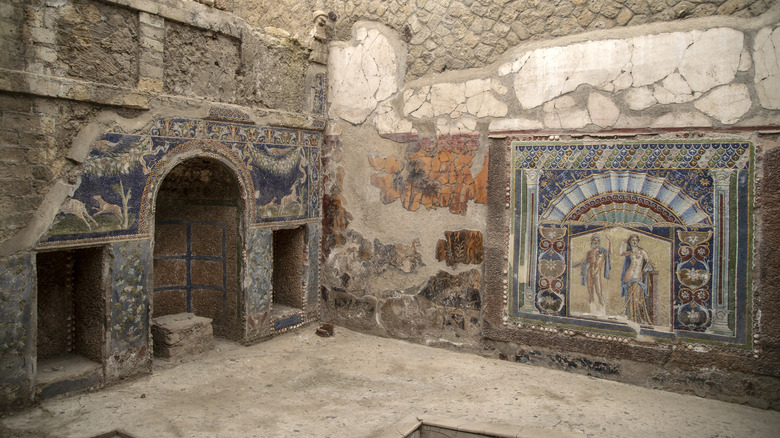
[(633, 238), (276, 167)]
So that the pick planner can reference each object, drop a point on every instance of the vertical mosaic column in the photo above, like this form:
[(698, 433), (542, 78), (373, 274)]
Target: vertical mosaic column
[(531, 199), (720, 286), (130, 295), (313, 279)]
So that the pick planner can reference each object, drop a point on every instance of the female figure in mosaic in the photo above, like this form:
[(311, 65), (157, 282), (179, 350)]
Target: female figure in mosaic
[(635, 268)]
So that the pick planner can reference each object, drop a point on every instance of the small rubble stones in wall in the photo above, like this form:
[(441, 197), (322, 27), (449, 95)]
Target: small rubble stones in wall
[(219, 4), (463, 246), (12, 38), (35, 136), (96, 42), (458, 34), (201, 64)]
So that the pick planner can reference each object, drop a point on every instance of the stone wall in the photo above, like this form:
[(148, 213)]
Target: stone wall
[(458, 34), (423, 211)]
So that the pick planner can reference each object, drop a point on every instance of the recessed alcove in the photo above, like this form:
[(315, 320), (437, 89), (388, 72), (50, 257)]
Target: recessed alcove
[(71, 315), (289, 253)]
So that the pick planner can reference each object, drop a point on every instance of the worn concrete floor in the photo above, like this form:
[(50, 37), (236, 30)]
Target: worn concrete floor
[(355, 385)]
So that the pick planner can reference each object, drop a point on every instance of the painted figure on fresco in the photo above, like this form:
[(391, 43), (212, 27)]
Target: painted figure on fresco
[(596, 264), (635, 268)]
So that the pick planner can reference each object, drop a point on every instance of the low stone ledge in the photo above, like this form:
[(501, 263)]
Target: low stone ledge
[(181, 335), (16, 81)]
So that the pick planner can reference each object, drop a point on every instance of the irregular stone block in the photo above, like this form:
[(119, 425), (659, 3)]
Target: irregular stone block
[(362, 75), (767, 62), (181, 335), (640, 98), (563, 113), (603, 111), (713, 59), (727, 103)]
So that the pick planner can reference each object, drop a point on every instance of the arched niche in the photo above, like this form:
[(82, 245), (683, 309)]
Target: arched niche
[(199, 214)]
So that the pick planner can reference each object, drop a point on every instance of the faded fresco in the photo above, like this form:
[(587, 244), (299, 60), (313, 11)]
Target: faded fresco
[(432, 174), (277, 168), (648, 238), (462, 246)]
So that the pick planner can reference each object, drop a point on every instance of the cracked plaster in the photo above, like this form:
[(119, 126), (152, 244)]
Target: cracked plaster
[(704, 59), (767, 67), (476, 97), (362, 75), (564, 113), (727, 103)]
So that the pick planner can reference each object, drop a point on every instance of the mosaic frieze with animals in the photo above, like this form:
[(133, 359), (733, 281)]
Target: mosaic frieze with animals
[(649, 239), (278, 169)]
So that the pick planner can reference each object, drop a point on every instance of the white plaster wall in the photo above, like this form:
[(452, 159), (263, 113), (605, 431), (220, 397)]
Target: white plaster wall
[(718, 76)]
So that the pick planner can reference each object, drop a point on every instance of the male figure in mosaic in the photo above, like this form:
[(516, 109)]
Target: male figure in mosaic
[(595, 264), (635, 268)]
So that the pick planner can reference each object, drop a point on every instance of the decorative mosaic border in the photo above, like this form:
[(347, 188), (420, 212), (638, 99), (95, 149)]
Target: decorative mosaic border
[(214, 130), (639, 238)]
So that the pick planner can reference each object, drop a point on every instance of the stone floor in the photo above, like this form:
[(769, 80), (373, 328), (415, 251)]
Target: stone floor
[(355, 385)]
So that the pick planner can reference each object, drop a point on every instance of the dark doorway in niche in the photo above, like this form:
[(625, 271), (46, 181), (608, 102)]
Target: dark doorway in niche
[(196, 244), (71, 319), (289, 254)]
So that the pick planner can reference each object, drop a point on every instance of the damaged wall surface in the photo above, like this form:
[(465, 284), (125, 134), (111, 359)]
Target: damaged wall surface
[(589, 203)]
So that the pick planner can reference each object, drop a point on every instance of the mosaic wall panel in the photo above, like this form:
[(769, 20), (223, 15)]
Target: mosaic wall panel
[(16, 303), (313, 280), (649, 238), (277, 168), (319, 100), (259, 267), (129, 297)]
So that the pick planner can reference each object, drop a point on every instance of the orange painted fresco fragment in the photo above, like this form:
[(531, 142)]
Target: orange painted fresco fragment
[(433, 175)]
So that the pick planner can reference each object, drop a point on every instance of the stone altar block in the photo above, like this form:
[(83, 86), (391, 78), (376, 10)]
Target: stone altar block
[(181, 335)]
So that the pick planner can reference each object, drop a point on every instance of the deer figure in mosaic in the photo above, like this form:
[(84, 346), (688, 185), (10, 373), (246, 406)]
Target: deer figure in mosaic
[(291, 198), (78, 209), (294, 197), (108, 208)]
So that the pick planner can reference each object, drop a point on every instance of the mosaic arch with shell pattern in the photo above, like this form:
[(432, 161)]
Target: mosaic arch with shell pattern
[(650, 238)]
